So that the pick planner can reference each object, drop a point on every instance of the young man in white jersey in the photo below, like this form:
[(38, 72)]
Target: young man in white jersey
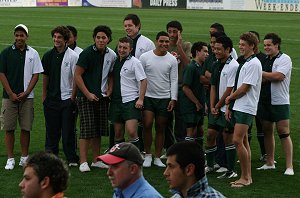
[(161, 69), (244, 100), (276, 107)]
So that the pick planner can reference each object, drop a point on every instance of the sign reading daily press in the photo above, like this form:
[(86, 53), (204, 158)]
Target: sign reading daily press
[(163, 4)]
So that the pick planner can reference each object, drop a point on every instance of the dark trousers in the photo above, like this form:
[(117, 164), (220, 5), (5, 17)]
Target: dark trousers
[(60, 122)]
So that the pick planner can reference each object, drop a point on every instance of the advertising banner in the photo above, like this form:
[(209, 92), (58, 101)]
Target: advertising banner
[(108, 3), (159, 3), (273, 5), (75, 3), (17, 3), (46, 3), (216, 4)]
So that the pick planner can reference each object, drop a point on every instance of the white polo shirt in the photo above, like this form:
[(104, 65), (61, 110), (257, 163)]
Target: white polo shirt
[(227, 77), (280, 89), (251, 74), (131, 74), (143, 45)]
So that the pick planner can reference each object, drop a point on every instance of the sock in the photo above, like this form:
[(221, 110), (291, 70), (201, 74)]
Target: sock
[(199, 140), (230, 156), (140, 134), (187, 138), (136, 142), (111, 135), (261, 141), (119, 141), (210, 155)]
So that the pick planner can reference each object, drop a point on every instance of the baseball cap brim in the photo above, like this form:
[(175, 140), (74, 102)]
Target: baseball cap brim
[(23, 27), (110, 159)]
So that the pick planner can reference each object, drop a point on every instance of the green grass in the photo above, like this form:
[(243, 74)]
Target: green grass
[(196, 24)]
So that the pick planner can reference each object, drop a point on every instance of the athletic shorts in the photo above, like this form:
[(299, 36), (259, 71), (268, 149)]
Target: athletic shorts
[(193, 119), (158, 106), (21, 111), (120, 112), (273, 113), (220, 123), (242, 118), (93, 117)]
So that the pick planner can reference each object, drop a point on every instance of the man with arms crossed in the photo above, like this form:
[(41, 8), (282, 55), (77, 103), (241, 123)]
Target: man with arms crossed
[(245, 96), (162, 85), (276, 108), (20, 66), (125, 172), (129, 89)]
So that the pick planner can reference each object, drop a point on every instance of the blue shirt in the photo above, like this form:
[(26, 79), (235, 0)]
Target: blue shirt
[(199, 190), (140, 188)]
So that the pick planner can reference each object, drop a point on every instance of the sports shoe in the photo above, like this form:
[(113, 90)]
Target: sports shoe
[(23, 160), (10, 164), (216, 166), (221, 170), (73, 164), (164, 156), (99, 165), (289, 171), (266, 167), (84, 167), (158, 163), (228, 175), (147, 161), (209, 169), (263, 158)]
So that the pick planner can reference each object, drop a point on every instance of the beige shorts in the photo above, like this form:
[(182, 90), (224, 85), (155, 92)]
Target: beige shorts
[(11, 111)]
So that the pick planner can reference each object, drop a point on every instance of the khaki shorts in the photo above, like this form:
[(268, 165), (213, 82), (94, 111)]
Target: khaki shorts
[(11, 112)]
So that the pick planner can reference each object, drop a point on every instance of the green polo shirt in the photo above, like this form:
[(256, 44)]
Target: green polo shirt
[(52, 61), (92, 61), (191, 78), (12, 61), (265, 92), (116, 93), (215, 77)]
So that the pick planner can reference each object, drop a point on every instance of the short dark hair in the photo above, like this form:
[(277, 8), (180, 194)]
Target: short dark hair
[(161, 33), (126, 39), (256, 34), (197, 47), (73, 30), (105, 29), (275, 39), (250, 38), (175, 24), (49, 165), (226, 42), (63, 30), (135, 19), (219, 27), (186, 153), (217, 34)]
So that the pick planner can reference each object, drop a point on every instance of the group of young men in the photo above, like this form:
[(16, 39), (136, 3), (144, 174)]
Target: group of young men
[(144, 82)]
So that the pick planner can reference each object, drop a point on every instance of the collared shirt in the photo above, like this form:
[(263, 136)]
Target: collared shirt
[(199, 190), (140, 188)]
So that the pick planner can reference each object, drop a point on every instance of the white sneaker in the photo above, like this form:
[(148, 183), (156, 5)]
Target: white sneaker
[(221, 170), (266, 167), (84, 167), (159, 163), (99, 164), (23, 160), (147, 161), (73, 164), (10, 164), (209, 169), (164, 156), (289, 171), (216, 166)]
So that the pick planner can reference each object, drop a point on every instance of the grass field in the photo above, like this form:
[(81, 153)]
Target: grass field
[(41, 21)]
